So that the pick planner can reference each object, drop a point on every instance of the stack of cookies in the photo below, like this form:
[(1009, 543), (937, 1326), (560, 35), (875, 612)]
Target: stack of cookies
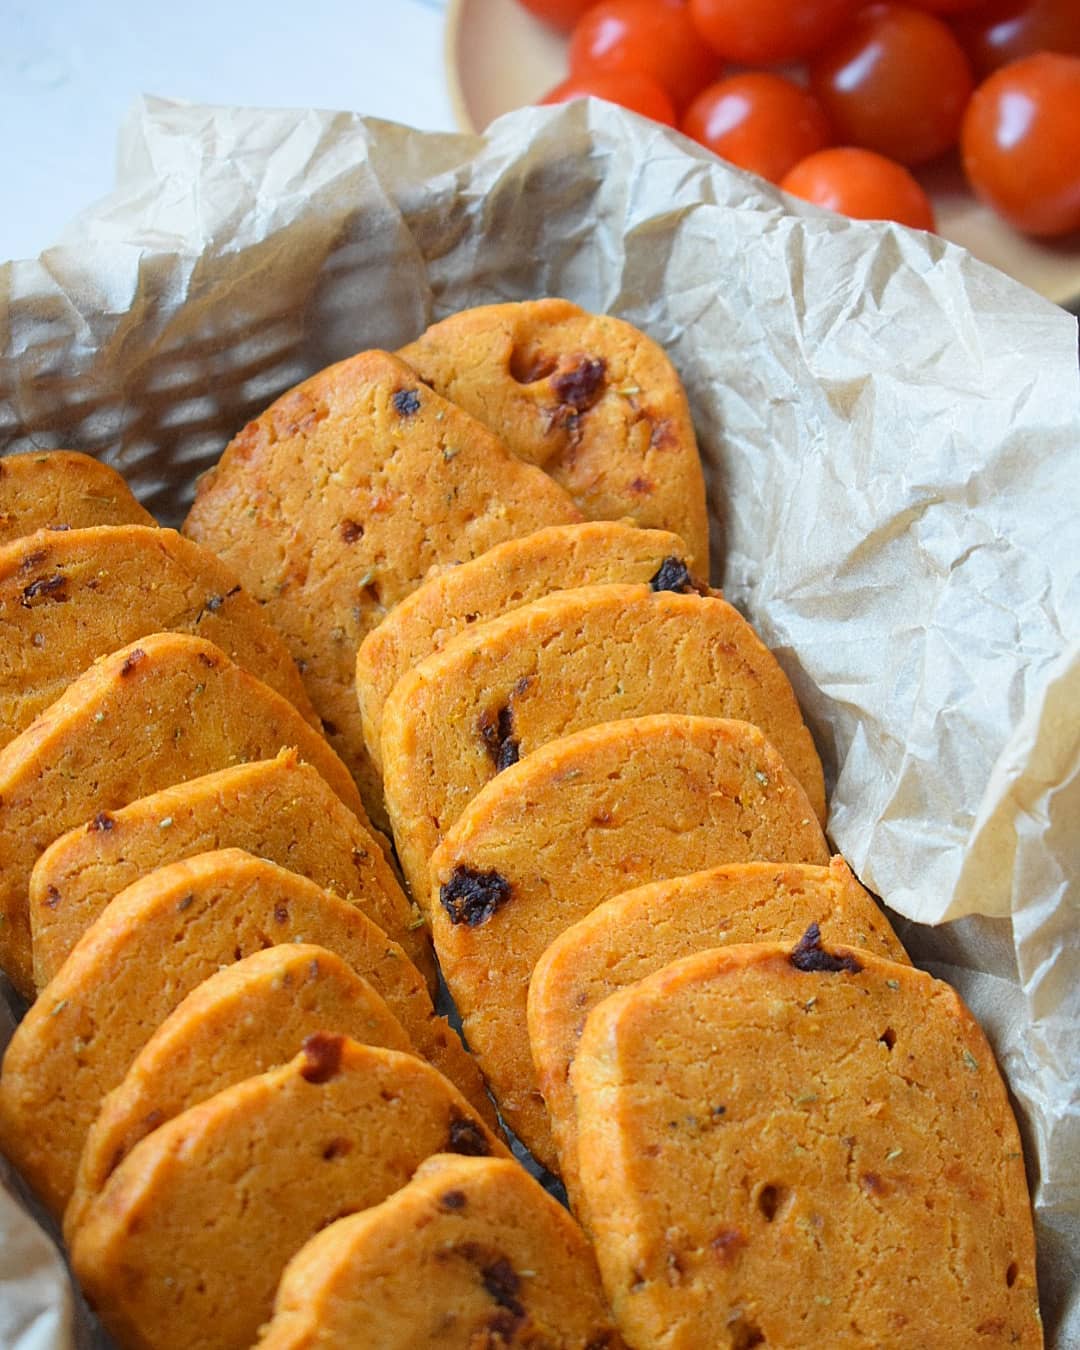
[(479, 567)]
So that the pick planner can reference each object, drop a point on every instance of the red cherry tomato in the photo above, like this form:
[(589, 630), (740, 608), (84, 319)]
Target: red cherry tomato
[(639, 93), (655, 37), (561, 14), (862, 184), (947, 6), (758, 121), (1004, 30), (896, 81), (762, 32), (1021, 143)]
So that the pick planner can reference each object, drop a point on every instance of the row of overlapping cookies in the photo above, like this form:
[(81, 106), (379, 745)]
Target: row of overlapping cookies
[(194, 905), (518, 860)]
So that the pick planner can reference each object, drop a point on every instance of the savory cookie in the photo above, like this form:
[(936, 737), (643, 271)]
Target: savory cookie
[(62, 489), (332, 506), (640, 931), (588, 398), (153, 944), (278, 809), (452, 599), (578, 821), (184, 1248), (68, 597), (240, 1022), (802, 1147), (472, 1252), (167, 708), (567, 661)]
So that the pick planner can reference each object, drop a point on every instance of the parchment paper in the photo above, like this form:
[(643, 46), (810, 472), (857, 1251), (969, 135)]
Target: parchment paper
[(891, 437)]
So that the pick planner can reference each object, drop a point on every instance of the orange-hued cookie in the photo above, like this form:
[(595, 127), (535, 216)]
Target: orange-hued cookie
[(158, 712), (579, 821), (68, 597), (279, 809), (453, 599), (802, 1146), (240, 1022), (153, 944), (636, 933), (184, 1248), (167, 708), (332, 506), (473, 1252), (62, 489), (589, 398), (567, 661)]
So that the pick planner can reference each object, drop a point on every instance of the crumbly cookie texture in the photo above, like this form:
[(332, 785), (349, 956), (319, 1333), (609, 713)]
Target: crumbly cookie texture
[(279, 809), (567, 661), (332, 506), (62, 490), (576, 822), (70, 596), (182, 923), (635, 934), (472, 1252), (184, 1248), (803, 1145), (589, 398), (245, 1020), (453, 599), (163, 709)]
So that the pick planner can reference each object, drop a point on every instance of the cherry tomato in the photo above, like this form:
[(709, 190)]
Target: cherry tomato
[(561, 14), (758, 121), (862, 184), (1005, 30), (896, 81), (1021, 143), (639, 93), (762, 32), (655, 37), (947, 6)]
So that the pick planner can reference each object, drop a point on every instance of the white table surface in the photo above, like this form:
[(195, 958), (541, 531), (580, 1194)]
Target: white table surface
[(69, 70)]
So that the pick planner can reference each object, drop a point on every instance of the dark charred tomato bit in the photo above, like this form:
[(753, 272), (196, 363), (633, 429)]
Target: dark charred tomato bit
[(281, 912), (52, 897), (131, 661), (31, 560), (497, 734), (663, 435), (214, 603), (407, 402), (642, 486), (452, 1200), (185, 902), (351, 531), (337, 1148), (322, 1057), (467, 1138), (210, 662), (673, 575), (103, 821), (809, 956), (45, 588), (472, 897), (503, 1283), (581, 385)]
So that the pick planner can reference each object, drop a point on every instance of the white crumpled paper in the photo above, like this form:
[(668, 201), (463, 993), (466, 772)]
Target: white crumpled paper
[(891, 436)]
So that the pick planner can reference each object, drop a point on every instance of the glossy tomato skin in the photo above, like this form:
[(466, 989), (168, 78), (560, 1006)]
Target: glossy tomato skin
[(862, 184), (639, 93), (1001, 31), (947, 8), (654, 37), (561, 14), (763, 32), (1021, 143), (897, 81), (759, 121)]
